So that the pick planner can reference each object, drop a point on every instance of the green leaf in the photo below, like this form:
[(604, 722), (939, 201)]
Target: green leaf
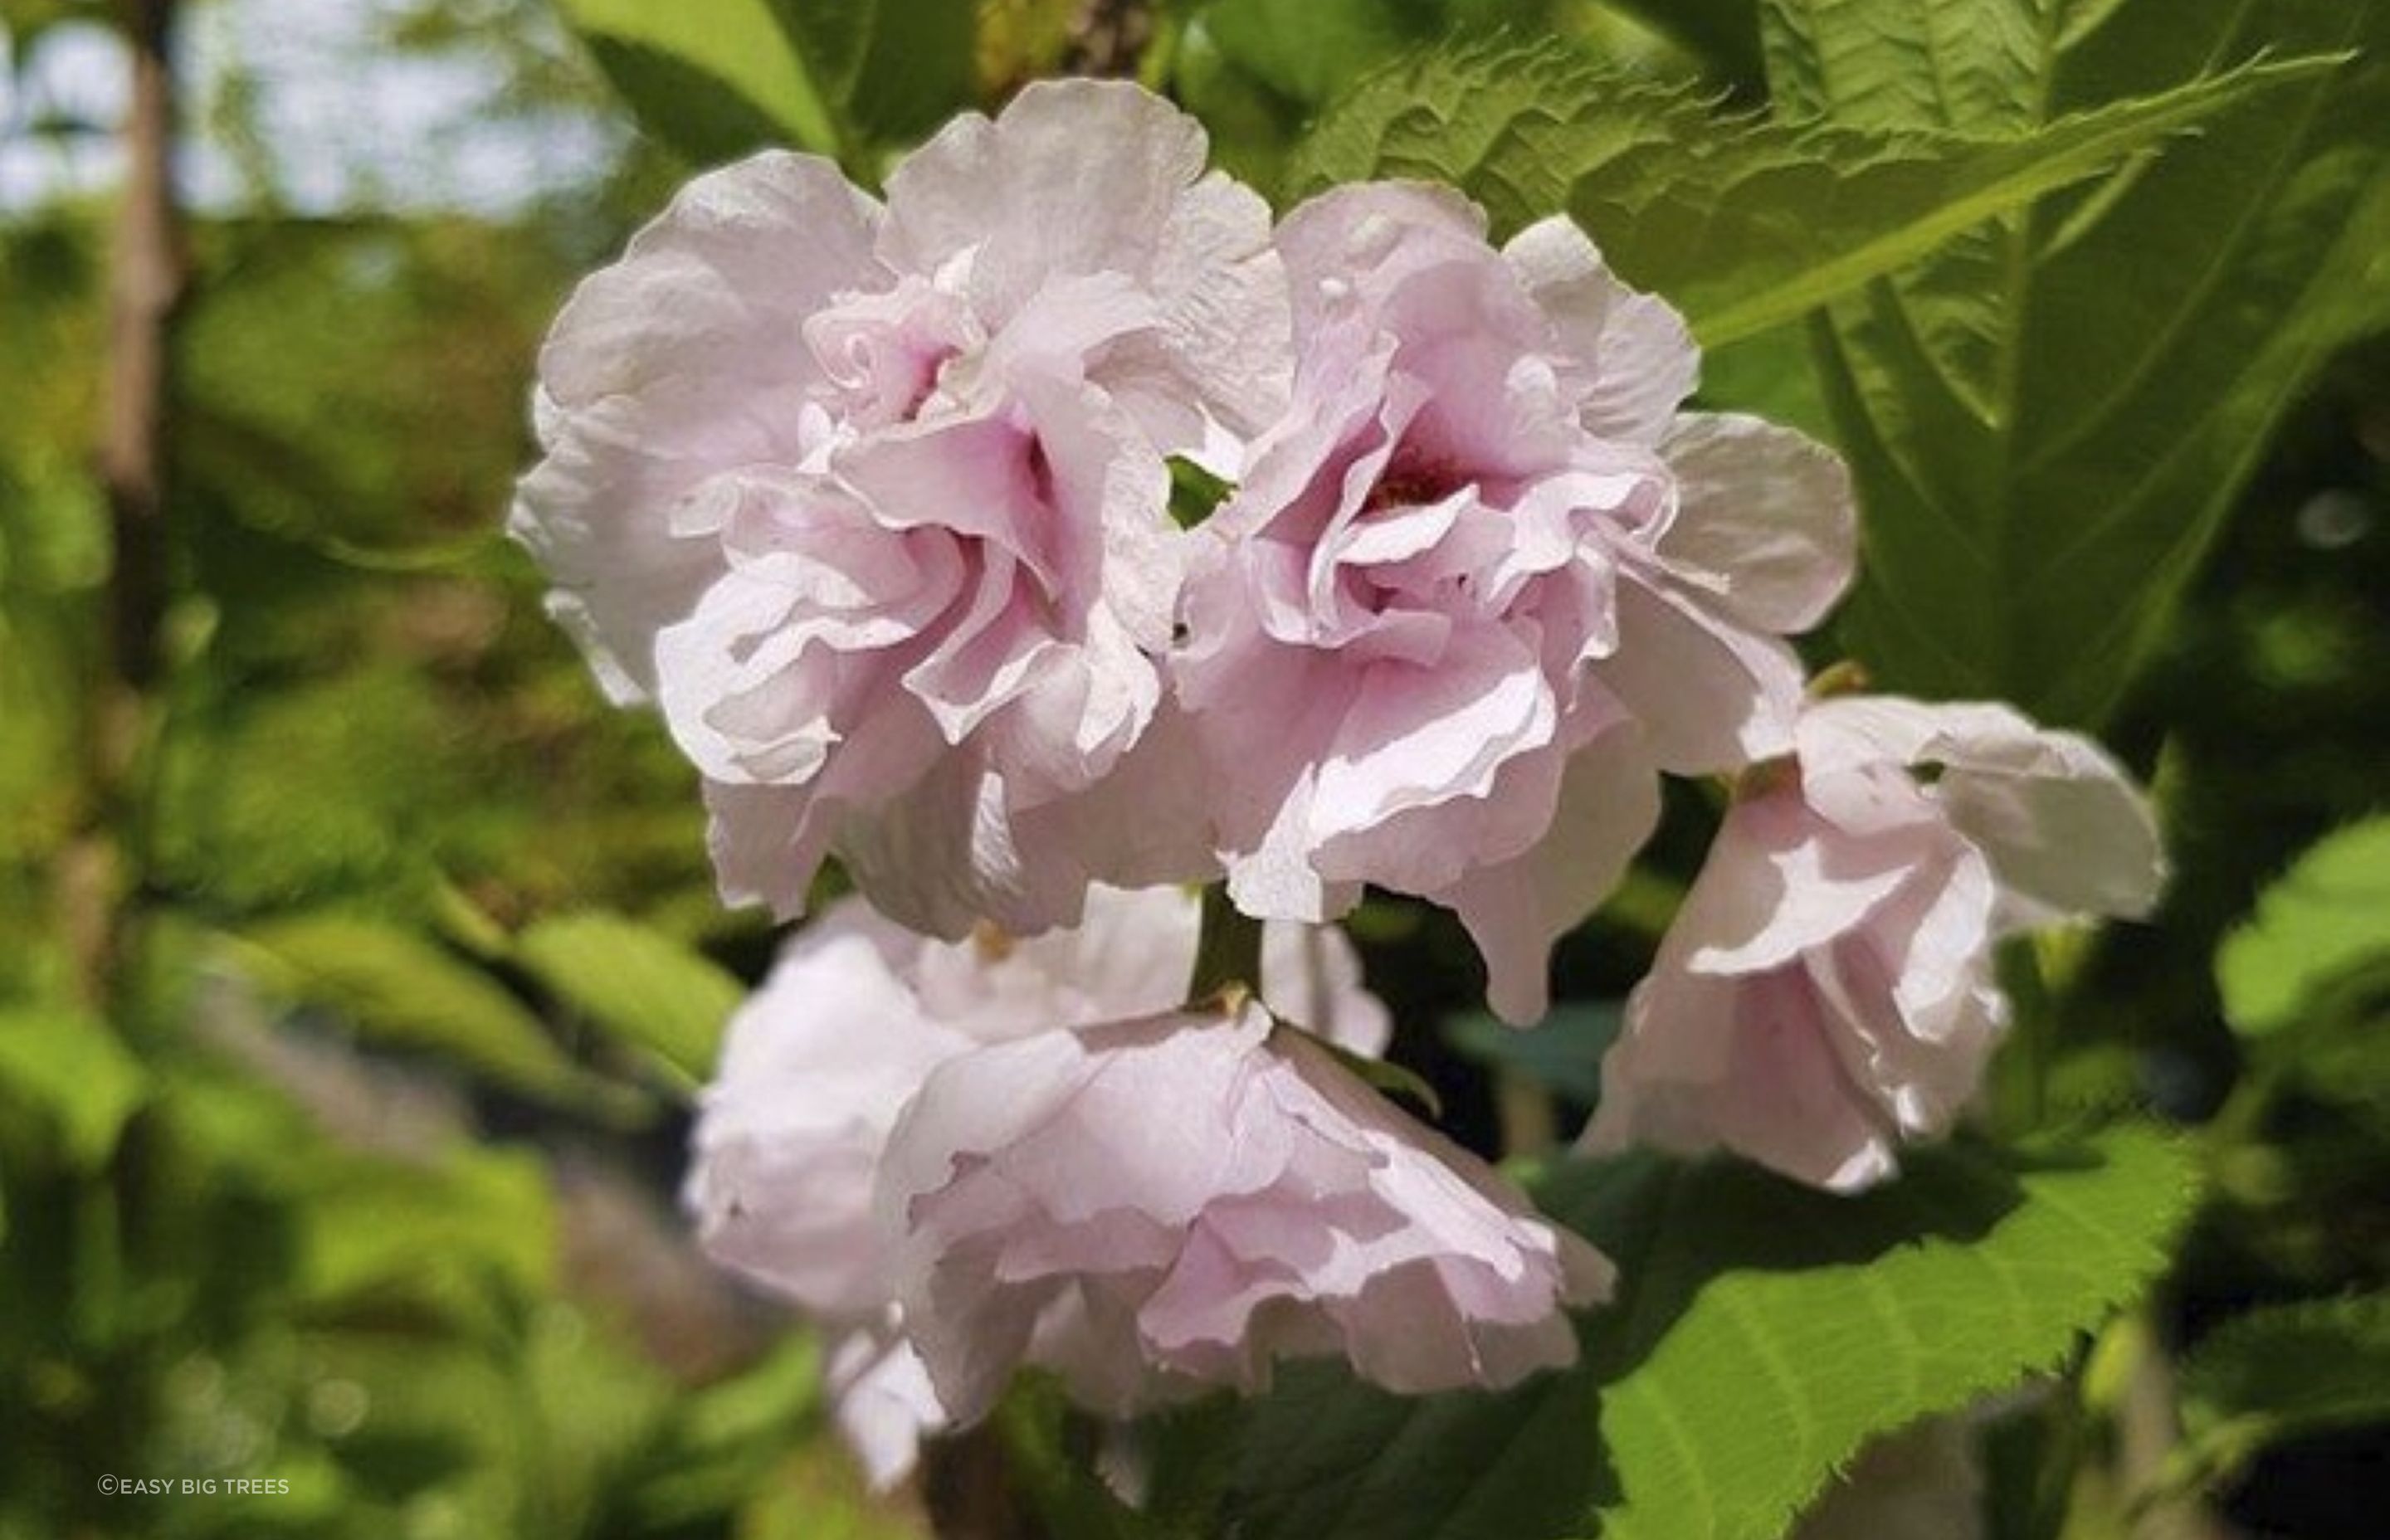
[(2325, 918), (1308, 51), (396, 987), (2283, 1372), (716, 78), (1761, 1331), (446, 1231), (1562, 1053), (2049, 420), (720, 1440), (1195, 493), (711, 78), (1742, 223), (635, 982), (1257, 70), (68, 1067)]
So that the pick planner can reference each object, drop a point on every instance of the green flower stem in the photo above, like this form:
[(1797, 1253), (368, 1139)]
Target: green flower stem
[(1228, 953)]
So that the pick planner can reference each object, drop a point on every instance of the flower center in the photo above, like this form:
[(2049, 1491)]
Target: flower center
[(1414, 479)]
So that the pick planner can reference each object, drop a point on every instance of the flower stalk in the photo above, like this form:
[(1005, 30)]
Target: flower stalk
[(1227, 950)]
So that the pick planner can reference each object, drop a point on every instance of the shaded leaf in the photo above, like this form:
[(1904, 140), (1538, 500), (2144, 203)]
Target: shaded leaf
[(2283, 1372)]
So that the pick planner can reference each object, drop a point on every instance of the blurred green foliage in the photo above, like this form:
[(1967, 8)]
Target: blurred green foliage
[(357, 1174)]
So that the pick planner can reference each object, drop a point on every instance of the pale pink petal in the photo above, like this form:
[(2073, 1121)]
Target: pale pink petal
[(1777, 882), (1827, 988), (814, 1069), (2064, 828), (1765, 524), (1711, 695), (875, 503), (1154, 1205), (1771, 1086), (881, 1399), (1079, 177), (1634, 349), (1516, 910), (648, 385)]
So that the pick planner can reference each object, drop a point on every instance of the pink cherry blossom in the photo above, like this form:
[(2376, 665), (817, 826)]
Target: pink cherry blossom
[(1484, 581), (820, 1063), (871, 501), (1827, 990), (1157, 1205)]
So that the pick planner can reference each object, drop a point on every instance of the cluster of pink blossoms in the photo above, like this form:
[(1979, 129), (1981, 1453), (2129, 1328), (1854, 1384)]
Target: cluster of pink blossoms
[(873, 501)]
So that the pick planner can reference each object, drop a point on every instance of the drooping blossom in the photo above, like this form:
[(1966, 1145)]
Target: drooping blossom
[(1484, 580), (817, 1065), (872, 500), (1154, 1206), (1827, 991)]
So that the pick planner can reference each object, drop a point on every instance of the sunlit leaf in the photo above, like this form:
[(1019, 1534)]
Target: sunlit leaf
[(2326, 918), (716, 78)]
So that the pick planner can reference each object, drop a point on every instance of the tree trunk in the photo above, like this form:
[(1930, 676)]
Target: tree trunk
[(146, 280), (147, 285)]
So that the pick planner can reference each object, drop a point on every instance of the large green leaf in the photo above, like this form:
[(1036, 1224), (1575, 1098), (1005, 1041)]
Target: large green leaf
[(635, 982), (714, 78), (2283, 1372), (2049, 419), (1762, 1332), (1743, 224), (2327, 917)]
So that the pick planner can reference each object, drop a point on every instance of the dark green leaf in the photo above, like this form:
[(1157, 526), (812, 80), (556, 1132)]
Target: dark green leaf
[(1195, 493), (2284, 1372)]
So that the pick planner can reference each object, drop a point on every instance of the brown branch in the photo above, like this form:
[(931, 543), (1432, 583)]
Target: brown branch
[(147, 276), (147, 282)]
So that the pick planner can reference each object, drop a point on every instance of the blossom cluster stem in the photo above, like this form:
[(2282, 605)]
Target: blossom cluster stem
[(1227, 952)]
